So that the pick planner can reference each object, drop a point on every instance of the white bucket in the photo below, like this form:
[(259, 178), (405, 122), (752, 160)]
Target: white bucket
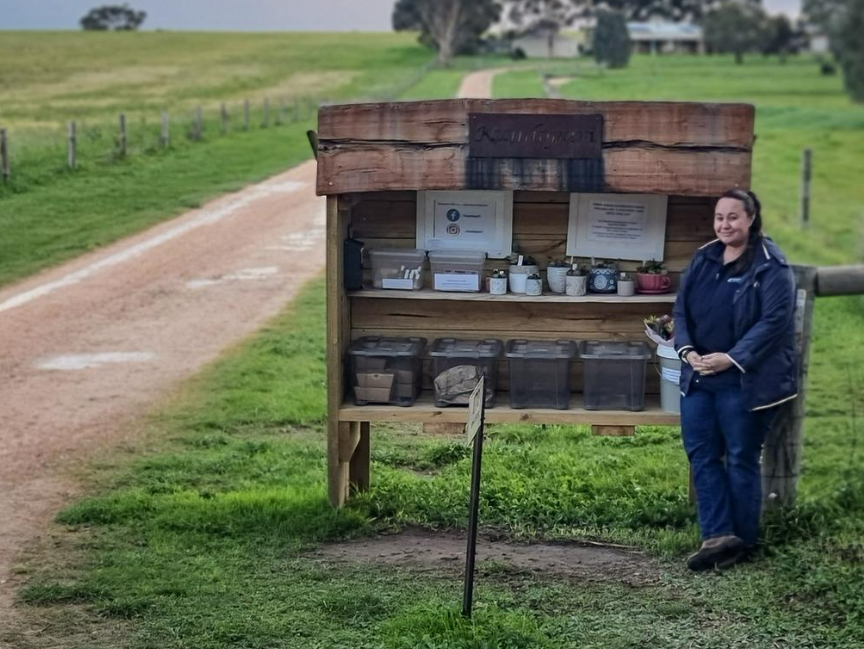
[(670, 373)]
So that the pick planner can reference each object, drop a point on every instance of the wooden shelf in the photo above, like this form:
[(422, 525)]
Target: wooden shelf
[(429, 294), (425, 411)]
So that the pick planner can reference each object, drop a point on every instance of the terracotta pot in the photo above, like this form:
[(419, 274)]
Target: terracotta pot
[(653, 282)]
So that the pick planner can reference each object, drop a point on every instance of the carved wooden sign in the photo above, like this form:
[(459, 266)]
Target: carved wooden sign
[(508, 135)]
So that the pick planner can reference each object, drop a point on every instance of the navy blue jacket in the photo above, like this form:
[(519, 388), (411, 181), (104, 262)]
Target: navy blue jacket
[(763, 316)]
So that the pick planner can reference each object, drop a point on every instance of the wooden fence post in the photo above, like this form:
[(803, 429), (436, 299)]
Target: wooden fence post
[(4, 155), (295, 112), (165, 135), (280, 119), (781, 457), (246, 115), (806, 175), (122, 138), (71, 156), (266, 122), (223, 112)]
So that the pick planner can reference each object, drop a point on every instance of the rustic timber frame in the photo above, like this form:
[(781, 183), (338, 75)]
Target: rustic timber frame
[(372, 160)]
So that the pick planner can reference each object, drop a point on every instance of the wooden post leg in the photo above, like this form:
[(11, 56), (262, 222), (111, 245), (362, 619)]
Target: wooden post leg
[(781, 456), (358, 472), (613, 431), (337, 467)]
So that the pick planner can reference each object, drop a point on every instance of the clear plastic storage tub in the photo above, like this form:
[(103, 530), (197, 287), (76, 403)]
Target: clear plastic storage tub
[(540, 373), (614, 374), (397, 269), (457, 366), (457, 270), (386, 370)]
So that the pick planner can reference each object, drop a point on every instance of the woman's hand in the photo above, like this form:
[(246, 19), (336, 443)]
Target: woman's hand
[(710, 363)]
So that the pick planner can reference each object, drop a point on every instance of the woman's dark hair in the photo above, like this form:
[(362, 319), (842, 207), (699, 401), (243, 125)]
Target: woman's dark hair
[(753, 208)]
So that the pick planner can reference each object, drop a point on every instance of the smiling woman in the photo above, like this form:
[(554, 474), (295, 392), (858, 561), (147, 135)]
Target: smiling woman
[(734, 332)]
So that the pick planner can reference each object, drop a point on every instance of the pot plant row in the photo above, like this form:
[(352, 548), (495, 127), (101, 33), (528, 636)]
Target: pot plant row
[(564, 277)]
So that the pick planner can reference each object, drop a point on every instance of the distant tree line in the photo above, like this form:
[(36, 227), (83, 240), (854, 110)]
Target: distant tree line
[(842, 21), (113, 17), (738, 27)]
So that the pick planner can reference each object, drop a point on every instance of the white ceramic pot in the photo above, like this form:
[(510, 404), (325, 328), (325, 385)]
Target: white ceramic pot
[(534, 286), (518, 275), (576, 285), (626, 287), (556, 277), (498, 285)]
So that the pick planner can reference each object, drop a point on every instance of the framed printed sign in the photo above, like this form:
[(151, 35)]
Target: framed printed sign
[(466, 220), (617, 226)]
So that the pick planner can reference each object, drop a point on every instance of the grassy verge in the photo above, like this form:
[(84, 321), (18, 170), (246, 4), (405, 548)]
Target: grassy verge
[(201, 542)]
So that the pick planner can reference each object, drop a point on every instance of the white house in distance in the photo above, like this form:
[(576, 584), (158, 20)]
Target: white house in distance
[(661, 37), (545, 43), (656, 36)]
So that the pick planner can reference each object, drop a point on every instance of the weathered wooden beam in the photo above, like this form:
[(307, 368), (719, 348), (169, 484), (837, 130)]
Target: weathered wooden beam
[(840, 280), (349, 167), (431, 122), (687, 149)]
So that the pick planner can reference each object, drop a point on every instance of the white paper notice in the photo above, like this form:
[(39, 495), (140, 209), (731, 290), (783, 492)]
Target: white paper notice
[(402, 284), (617, 222), (457, 282)]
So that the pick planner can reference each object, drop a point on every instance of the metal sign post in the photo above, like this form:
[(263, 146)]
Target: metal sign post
[(474, 432)]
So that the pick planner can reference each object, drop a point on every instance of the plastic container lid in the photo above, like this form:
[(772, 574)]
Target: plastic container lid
[(668, 352), (412, 253), (452, 348), (541, 349), (613, 350), (375, 346), (456, 257)]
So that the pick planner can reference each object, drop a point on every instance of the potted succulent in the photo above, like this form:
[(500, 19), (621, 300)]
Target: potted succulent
[(520, 267), (556, 275), (626, 285), (534, 284), (576, 282), (603, 277), (498, 282), (660, 329), (652, 277)]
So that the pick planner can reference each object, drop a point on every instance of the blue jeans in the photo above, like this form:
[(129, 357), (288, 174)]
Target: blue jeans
[(728, 494)]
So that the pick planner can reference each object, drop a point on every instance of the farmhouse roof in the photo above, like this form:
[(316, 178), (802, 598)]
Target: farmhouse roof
[(667, 31)]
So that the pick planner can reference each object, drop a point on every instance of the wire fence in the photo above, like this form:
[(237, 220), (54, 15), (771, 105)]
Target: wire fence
[(30, 157)]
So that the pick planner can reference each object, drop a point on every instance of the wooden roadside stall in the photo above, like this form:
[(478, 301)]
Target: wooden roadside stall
[(373, 159)]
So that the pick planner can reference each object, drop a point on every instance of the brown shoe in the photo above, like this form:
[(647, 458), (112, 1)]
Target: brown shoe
[(715, 552)]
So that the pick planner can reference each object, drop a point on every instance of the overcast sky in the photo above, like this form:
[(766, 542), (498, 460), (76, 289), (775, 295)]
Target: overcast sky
[(235, 15)]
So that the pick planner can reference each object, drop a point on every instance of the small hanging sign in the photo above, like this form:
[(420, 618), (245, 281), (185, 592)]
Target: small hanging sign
[(510, 135)]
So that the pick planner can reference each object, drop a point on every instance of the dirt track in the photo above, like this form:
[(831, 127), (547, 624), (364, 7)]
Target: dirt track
[(88, 347)]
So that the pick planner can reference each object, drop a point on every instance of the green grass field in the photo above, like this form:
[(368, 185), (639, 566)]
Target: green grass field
[(49, 214), (196, 538)]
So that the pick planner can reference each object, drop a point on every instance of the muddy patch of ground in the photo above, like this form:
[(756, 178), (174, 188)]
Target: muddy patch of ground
[(421, 549)]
